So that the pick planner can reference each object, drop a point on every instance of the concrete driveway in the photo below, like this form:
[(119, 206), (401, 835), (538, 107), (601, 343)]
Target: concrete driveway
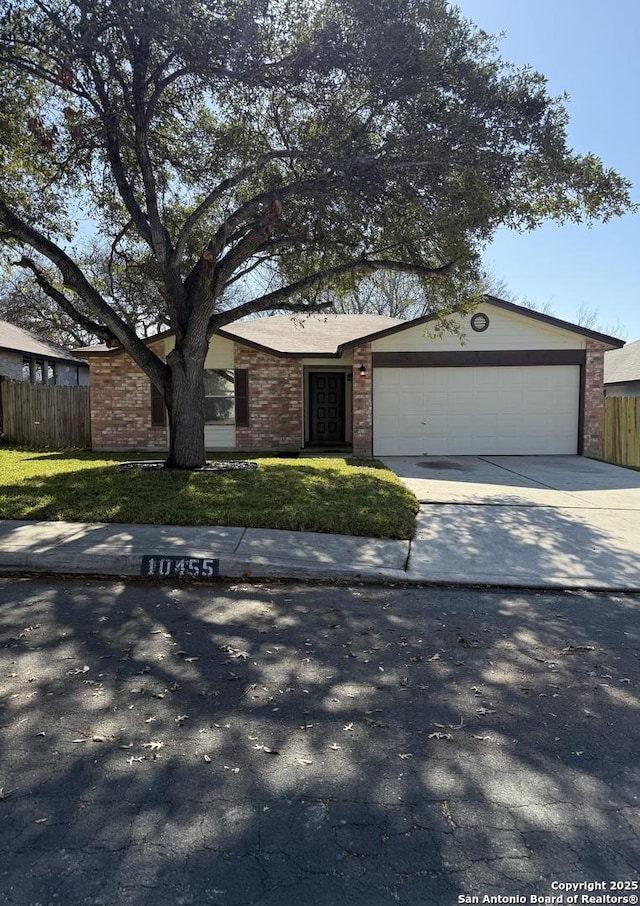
[(537, 521)]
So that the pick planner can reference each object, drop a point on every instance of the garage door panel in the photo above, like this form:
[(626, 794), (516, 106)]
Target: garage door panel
[(511, 401), (483, 410)]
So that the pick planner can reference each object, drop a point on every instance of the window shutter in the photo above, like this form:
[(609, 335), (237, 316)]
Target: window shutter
[(158, 410), (241, 381)]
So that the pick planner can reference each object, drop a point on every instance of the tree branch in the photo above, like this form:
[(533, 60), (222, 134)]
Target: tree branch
[(75, 280), (251, 208), (159, 235), (214, 196), (268, 247), (99, 330), (280, 298), (160, 85)]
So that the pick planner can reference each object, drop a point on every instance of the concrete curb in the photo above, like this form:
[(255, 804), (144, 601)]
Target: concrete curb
[(116, 552)]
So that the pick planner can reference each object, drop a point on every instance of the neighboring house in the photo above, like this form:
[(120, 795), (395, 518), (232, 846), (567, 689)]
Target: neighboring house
[(24, 357), (622, 371), (520, 383)]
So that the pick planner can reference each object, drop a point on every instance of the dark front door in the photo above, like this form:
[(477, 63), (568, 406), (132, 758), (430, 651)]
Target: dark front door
[(326, 407)]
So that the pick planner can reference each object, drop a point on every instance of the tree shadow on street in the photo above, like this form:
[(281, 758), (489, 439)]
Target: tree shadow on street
[(263, 744)]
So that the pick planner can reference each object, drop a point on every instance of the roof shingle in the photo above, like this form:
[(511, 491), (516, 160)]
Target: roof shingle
[(19, 340), (308, 334), (621, 365)]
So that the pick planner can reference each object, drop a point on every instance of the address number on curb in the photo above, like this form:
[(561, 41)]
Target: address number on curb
[(154, 566)]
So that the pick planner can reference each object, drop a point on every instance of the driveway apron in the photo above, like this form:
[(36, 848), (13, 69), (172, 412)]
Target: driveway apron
[(528, 521)]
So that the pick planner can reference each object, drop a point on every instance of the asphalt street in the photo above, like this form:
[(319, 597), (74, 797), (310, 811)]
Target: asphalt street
[(282, 744)]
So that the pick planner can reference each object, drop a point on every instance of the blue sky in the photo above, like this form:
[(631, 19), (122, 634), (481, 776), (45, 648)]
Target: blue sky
[(590, 50)]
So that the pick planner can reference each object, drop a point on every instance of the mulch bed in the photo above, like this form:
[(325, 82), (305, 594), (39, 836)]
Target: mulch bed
[(211, 466)]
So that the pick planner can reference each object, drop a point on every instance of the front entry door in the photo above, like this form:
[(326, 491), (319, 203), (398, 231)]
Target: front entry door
[(326, 407)]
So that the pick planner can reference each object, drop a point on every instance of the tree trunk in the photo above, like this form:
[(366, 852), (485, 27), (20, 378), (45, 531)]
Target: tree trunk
[(185, 403)]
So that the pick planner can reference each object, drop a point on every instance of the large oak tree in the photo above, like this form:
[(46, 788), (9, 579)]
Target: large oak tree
[(250, 155)]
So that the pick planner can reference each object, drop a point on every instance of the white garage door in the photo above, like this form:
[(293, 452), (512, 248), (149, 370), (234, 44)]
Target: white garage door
[(465, 411)]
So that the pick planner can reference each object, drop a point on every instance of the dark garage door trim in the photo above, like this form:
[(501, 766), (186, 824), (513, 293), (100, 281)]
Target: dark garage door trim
[(468, 359)]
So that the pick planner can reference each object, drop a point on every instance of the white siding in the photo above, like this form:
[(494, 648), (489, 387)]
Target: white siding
[(220, 437), (220, 353), (505, 331), (465, 411)]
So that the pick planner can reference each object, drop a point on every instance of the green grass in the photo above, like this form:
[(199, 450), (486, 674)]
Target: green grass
[(314, 495)]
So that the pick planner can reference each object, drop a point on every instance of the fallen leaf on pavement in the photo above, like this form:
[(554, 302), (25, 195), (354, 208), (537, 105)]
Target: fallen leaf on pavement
[(450, 726)]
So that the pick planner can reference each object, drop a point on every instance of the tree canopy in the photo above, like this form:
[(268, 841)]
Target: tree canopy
[(249, 155)]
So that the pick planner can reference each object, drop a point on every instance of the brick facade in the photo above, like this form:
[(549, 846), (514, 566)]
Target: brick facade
[(121, 403), (362, 402), (276, 418), (121, 406), (593, 423)]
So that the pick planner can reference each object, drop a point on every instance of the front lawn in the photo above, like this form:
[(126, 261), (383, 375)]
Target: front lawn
[(313, 495)]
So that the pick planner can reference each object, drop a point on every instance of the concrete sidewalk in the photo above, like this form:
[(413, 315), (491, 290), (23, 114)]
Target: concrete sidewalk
[(534, 547), (60, 548)]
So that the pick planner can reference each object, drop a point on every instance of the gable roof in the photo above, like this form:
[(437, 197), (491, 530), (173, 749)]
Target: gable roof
[(555, 322), (15, 339), (508, 307), (622, 365), (328, 335), (332, 334), (309, 335)]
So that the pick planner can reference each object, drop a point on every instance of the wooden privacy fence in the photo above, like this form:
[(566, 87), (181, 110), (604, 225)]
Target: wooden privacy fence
[(45, 416), (622, 430)]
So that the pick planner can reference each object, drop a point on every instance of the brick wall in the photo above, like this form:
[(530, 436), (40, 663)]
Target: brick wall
[(362, 402), (275, 402), (593, 426), (121, 405)]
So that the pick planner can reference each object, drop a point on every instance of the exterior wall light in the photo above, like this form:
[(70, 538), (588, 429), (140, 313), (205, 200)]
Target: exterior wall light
[(363, 369)]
